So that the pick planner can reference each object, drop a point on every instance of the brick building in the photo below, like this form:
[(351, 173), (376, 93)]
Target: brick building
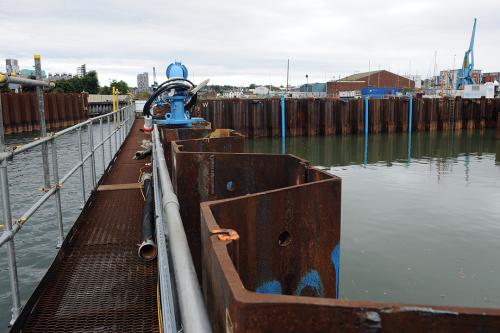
[(374, 79)]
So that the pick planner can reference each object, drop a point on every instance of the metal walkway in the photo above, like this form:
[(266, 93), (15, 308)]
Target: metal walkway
[(98, 283)]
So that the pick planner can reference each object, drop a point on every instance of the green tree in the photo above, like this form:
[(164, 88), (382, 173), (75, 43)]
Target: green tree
[(105, 90), (122, 86), (88, 83)]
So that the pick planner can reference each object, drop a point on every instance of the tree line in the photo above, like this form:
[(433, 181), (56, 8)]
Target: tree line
[(88, 83)]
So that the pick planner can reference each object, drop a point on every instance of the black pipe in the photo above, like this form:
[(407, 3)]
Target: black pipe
[(172, 83), (142, 154), (147, 249)]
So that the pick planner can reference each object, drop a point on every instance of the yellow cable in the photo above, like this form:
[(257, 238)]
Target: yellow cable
[(158, 305)]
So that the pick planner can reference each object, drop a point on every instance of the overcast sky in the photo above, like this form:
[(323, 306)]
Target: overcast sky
[(243, 42)]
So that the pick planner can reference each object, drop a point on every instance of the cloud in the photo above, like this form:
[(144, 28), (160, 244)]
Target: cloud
[(244, 42)]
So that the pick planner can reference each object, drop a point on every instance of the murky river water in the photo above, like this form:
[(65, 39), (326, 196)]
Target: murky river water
[(420, 230), (424, 229)]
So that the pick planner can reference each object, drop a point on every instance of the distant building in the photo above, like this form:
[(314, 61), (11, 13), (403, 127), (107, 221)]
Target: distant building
[(261, 90), (313, 87), (12, 67), (81, 71), (60, 76), (491, 77), (375, 79), (143, 82), (450, 77)]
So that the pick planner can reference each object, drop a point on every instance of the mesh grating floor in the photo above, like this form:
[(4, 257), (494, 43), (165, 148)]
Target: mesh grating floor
[(100, 284)]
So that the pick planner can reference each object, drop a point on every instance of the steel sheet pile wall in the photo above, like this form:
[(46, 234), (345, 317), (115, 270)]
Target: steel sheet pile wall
[(326, 116), (20, 111), (267, 249)]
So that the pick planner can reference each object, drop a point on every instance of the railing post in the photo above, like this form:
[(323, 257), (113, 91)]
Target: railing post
[(7, 220), (102, 145), (55, 171), (109, 138), (43, 127), (114, 134), (82, 172), (92, 157)]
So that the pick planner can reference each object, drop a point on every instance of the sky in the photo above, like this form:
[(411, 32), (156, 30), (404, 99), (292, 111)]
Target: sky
[(244, 42)]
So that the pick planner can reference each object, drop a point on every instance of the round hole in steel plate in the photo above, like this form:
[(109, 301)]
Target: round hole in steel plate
[(284, 239)]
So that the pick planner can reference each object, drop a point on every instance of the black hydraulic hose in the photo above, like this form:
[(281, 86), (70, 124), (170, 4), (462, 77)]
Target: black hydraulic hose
[(147, 249), (165, 86)]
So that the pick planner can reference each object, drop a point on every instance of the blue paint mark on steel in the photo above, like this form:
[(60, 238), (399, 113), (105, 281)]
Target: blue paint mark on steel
[(410, 118), (335, 257), (366, 116), (365, 157), (311, 280), (283, 133), (270, 287)]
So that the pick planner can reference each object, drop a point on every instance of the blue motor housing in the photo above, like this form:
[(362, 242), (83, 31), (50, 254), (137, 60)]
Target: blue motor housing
[(176, 93)]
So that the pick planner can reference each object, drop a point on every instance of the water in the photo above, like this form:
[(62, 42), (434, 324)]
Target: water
[(36, 242), (422, 230)]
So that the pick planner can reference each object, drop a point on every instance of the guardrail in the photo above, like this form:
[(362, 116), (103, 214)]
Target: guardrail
[(118, 126), (191, 305)]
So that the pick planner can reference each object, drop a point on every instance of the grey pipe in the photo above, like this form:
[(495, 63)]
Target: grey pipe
[(21, 80), (193, 312)]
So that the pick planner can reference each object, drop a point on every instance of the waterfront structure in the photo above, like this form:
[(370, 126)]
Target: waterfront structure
[(373, 79), (81, 71), (143, 82)]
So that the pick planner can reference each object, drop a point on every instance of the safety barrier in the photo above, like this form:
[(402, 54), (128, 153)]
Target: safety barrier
[(116, 125), (328, 116)]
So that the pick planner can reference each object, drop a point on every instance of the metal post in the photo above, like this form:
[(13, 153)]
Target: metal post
[(102, 145), (109, 138), (55, 171), (82, 170), (410, 115), (114, 134), (410, 118), (283, 133), (92, 157), (43, 127), (366, 116), (365, 156), (7, 220)]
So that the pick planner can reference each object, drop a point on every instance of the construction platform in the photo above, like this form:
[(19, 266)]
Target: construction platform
[(97, 282)]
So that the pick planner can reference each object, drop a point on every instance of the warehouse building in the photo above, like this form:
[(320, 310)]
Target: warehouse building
[(353, 84)]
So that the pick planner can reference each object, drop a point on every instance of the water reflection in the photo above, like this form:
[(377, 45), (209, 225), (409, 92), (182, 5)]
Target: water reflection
[(442, 149), (420, 213)]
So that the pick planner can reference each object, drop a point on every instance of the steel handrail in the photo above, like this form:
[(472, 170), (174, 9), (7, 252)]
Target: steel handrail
[(192, 308), (122, 128)]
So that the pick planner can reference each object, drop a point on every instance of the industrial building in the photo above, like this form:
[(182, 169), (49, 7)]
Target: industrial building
[(374, 79), (491, 77), (143, 82)]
